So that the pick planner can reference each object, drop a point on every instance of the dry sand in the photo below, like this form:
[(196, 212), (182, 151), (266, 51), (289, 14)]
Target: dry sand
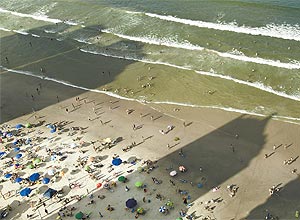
[(208, 141)]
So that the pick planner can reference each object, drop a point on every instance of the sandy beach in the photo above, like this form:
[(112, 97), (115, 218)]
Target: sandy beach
[(230, 159)]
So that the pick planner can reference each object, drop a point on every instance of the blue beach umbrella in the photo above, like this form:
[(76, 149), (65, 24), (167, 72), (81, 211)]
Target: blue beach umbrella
[(18, 156), (53, 130), (15, 142), (2, 154), (34, 177), (130, 203), (116, 161), (162, 209), (45, 180), (16, 149), (18, 126), (8, 175), (25, 192), (18, 180), (9, 135)]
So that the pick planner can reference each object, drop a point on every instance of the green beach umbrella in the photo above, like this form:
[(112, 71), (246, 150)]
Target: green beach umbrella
[(37, 160), (87, 168), (28, 125), (169, 203), (79, 215), (30, 166), (122, 178), (138, 184), (140, 210)]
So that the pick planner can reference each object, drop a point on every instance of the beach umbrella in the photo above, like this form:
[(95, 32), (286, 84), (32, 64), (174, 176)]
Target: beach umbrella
[(138, 184), (30, 166), (87, 168), (37, 160), (162, 209), (15, 142), (2, 154), (130, 203), (131, 159), (51, 172), (53, 130), (27, 141), (17, 165), (98, 185), (34, 177), (25, 192), (18, 156), (116, 161), (45, 180), (79, 215), (27, 125), (18, 180), (16, 149), (173, 173), (106, 186), (53, 157), (9, 135), (140, 210), (19, 126), (8, 175), (122, 178), (169, 203)]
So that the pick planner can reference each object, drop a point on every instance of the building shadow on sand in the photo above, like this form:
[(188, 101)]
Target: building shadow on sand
[(52, 57)]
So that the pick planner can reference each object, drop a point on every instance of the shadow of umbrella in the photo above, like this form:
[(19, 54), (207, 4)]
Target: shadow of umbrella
[(43, 189)]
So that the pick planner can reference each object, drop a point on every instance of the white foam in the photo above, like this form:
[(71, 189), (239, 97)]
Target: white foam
[(34, 35), (143, 101), (72, 23), (4, 29), (50, 31), (155, 41), (20, 32), (82, 41), (35, 17), (283, 31), (188, 46)]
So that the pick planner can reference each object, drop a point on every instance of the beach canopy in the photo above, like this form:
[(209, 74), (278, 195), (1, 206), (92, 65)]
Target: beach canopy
[(46, 180), (162, 209), (18, 180), (130, 203), (79, 215), (25, 192), (138, 184), (122, 178), (34, 177), (18, 156), (116, 161), (173, 173), (19, 126), (8, 175), (49, 193)]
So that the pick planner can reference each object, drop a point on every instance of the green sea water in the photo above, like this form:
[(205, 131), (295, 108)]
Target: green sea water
[(236, 55)]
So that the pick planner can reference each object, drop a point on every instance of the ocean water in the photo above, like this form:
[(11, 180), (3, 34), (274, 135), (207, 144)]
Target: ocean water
[(238, 55)]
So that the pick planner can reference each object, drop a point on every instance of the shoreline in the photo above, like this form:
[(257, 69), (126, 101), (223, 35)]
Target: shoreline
[(114, 95)]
